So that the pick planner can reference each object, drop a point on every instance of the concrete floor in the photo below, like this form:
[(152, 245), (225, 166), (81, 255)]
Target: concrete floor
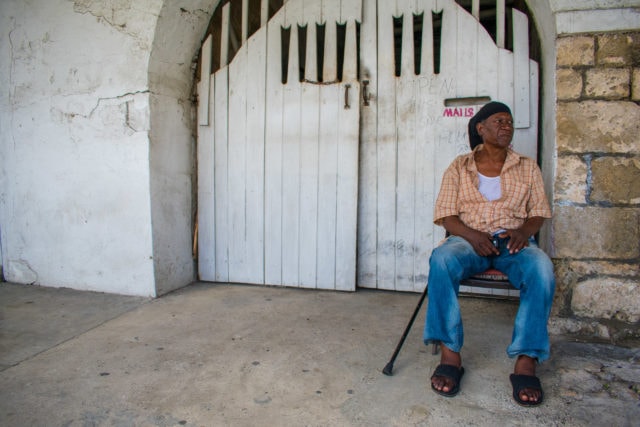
[(231, 355)]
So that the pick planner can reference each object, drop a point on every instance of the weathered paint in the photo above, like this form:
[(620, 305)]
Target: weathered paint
[(82, 90)]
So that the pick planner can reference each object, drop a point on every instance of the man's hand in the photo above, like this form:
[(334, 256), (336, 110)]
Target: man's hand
[(517, 240), (482, 243)]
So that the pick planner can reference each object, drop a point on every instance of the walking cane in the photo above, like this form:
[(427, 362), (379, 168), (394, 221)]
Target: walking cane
[(388, 369)]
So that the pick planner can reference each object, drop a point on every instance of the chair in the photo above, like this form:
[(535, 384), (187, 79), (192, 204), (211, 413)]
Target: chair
[(494, 283)]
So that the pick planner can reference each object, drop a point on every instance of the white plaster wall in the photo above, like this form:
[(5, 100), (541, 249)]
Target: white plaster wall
[(180, 29), (74, 123)]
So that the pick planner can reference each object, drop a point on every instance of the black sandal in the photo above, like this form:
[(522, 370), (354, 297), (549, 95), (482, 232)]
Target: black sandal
[(521, 382), (452, 373)]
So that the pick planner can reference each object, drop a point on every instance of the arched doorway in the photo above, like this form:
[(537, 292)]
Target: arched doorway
[(270, 215), (163, 83)]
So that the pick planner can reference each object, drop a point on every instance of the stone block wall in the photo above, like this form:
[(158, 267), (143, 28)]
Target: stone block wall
[(596, 225)]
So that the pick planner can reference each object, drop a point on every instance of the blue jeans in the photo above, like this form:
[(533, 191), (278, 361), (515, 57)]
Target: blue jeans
[(530, 270)]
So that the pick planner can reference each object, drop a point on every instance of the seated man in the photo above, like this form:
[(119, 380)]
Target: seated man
[(491, 203)]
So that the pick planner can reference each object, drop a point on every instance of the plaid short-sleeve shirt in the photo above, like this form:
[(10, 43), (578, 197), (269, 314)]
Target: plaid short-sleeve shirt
[(522, 196)]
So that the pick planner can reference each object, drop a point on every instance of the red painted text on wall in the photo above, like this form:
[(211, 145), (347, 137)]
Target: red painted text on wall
[(459, 112)]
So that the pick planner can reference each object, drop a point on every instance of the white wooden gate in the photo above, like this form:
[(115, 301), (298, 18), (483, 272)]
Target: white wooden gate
[(415, 124), (286, 170), (278, 166)]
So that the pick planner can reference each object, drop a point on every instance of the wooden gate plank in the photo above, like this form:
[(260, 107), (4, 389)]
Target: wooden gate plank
[(426, 134), (405, 198), (310, 122), (224, 34), (475, 9), (367, 196), (426, 7), (350, 67), (406, 157), (291, 167), (205, 81), (327, 188), (221, 168), (238, 260), (273, 155), (505, 74), (206, 185), (521, 73), (386, 149), (347, 208), (500, 23), (221, 173), (255, 125), (427, 111), (206, 202), (449, 25), (351, 11), (347, 194), (245, 21), (330, 66), (464, 39), (264, 12), (525, 140), (312, 14)]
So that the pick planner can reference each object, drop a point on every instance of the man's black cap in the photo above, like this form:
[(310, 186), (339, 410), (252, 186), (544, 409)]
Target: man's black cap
[(484, 113)]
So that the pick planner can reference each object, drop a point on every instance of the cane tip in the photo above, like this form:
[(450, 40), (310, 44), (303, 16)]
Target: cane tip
[(388, 370)]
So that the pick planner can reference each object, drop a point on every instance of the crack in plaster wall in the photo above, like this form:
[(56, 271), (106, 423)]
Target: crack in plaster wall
[(127, 95), (135, 119)]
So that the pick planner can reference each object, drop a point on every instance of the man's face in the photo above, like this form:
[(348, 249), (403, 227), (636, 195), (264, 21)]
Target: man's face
[(496, 130)]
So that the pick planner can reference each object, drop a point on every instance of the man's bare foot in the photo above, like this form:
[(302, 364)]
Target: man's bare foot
[(526, 365), (448, 357)]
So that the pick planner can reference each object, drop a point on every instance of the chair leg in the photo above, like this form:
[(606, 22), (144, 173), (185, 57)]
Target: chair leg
[(435, 347)]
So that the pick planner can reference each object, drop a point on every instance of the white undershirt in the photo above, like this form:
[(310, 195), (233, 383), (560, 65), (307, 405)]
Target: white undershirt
[(490, 187)]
